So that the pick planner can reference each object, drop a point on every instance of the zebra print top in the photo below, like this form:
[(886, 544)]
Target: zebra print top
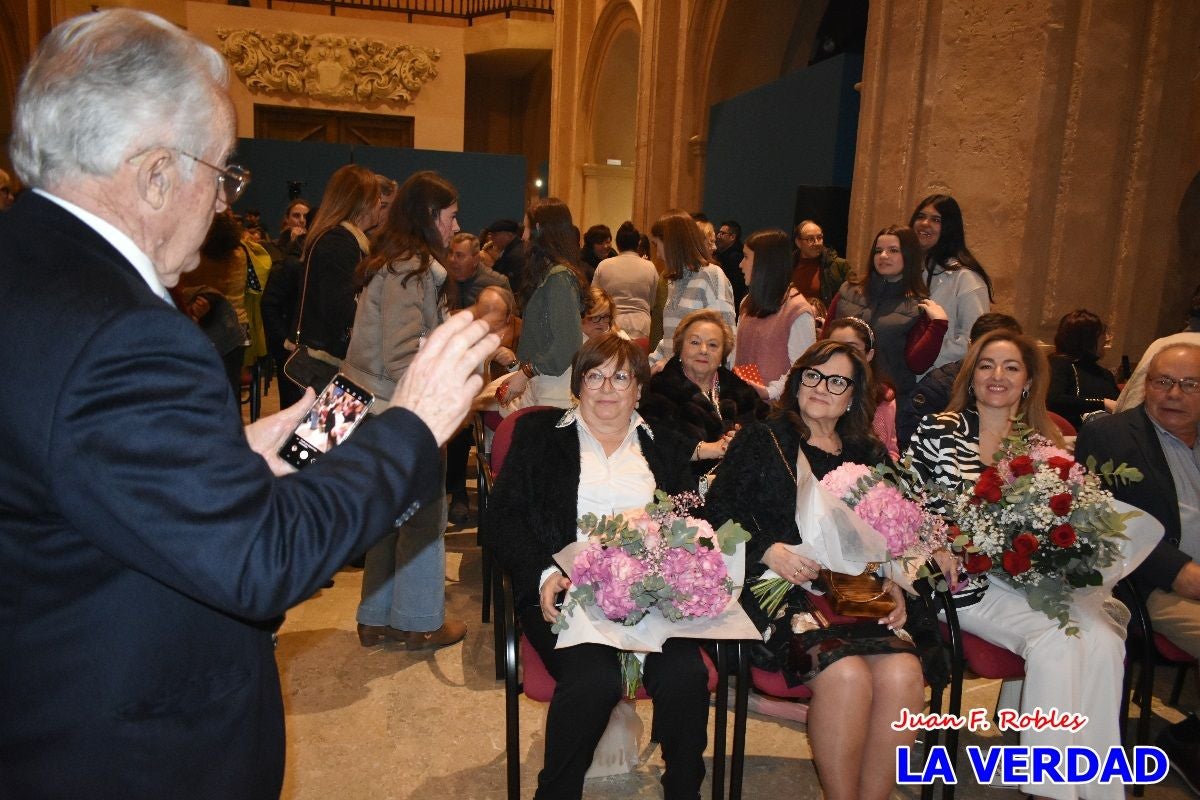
[(945, 451)]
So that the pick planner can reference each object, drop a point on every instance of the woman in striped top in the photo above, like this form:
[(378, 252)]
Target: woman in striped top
[(1004, 379), (693, 282)]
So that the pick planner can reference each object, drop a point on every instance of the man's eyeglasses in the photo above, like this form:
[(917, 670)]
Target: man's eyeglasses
[(836, 384), (619, 380), (231, 180), (813, 239), (1164, 384)]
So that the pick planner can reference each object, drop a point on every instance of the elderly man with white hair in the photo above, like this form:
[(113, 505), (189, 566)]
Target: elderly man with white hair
[(148, 542)]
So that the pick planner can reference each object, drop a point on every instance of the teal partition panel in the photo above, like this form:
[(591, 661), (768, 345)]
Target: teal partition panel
[(490, 186), (765, 144)]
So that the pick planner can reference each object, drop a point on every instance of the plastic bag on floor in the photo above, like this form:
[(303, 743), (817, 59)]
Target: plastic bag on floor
[(617, 753)]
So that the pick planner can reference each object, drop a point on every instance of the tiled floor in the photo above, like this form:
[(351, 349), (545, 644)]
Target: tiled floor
[(383, 723)]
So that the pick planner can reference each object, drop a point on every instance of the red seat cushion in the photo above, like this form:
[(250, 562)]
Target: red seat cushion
[(772, 683), (492, 420), (988, 660), (1167, 649), (539, 685)]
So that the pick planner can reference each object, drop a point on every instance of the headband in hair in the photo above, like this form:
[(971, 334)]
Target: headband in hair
[(862, 325)]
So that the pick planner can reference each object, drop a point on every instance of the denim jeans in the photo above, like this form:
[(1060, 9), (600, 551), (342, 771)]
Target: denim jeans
[(404, 576)]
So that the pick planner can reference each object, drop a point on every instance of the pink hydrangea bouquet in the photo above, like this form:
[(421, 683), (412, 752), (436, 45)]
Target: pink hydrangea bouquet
[(653, 560), (890, 500), (1042, 521)]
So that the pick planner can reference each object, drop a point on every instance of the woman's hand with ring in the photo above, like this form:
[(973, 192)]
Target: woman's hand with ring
[(794, 568), (896, 618)]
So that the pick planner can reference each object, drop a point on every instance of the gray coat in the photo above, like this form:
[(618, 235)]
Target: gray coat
[(391, 320)]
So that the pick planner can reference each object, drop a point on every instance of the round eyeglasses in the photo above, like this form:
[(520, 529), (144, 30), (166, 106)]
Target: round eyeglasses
[(231, 180), (836, 384), (619, 380)]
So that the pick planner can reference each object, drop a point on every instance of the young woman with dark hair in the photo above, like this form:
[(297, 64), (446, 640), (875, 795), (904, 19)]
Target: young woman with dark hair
[(554, 295), (956, 279), (890, 296), (403, 588), (776, 322)]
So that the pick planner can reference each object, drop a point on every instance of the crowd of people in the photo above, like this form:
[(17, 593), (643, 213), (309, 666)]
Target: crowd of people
[(689, 359)]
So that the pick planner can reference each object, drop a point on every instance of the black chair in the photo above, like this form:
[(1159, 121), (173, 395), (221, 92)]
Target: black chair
[(747, 676), (524, 673)]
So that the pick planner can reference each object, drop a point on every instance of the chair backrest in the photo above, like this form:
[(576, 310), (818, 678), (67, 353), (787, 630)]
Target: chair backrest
[(503, 436), (1064, 427)]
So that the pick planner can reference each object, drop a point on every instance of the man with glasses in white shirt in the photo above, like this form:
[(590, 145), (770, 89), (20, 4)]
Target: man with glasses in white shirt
[(1161, 438)]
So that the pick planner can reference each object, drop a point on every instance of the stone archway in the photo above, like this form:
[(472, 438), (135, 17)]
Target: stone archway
[(608, 99)]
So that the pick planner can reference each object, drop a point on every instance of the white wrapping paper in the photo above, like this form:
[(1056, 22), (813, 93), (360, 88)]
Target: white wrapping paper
[(648, 635)]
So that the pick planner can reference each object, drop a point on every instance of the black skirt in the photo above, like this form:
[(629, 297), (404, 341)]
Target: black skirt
[(823, 639)]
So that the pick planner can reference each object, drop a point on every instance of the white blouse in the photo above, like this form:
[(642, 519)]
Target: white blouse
[(608, 484)]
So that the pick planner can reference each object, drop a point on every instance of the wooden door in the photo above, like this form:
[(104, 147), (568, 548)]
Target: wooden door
[(335, 127)]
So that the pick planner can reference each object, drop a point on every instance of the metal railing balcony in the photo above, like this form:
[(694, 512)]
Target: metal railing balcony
[(461, 9)]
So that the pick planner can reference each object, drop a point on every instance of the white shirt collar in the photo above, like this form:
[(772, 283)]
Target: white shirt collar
[(572, 415), (122, 243)]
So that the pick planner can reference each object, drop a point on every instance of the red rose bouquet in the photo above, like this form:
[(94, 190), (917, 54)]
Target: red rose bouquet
[(1042, 521)]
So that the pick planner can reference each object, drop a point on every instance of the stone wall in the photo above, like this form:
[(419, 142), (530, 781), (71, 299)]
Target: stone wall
[(1067, 131)]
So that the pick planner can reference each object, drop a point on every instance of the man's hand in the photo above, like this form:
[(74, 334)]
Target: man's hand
[(441, 381), (267, 434), (1187, 582)]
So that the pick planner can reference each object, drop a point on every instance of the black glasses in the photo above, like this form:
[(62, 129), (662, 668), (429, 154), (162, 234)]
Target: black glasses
[(813, 239), (231, 180), (599, 319), (836, 384), (619, 380)]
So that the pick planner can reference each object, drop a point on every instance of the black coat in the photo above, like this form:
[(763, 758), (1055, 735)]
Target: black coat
[(671, 400), (532, 511), (1079, 386), (1129, 437)]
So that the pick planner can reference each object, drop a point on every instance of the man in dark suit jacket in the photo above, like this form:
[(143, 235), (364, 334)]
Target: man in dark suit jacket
[(148, 542), (1161, 438)]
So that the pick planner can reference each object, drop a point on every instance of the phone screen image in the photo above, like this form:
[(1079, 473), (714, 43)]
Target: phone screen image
[(339, 409)]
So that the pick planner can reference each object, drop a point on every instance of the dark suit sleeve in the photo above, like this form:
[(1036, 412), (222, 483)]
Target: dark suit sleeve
[(1111, 438), (149, 462)]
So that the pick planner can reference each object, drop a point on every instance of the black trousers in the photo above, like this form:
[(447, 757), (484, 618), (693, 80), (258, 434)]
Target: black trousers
[(458, 449), (588, 686)]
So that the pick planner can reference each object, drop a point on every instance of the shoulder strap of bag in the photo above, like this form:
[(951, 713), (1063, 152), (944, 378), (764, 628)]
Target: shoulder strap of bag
[(778, 449), (304, 289)]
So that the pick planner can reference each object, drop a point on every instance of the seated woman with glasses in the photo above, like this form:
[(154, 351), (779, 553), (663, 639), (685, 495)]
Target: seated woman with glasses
[(695, 395), (861, 674), (598, 457), (595, 320)]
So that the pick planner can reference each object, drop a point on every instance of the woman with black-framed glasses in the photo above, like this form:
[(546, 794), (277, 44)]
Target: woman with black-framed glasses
[(860, 672)]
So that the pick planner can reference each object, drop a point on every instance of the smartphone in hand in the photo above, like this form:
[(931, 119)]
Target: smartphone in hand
[(340, 408)]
